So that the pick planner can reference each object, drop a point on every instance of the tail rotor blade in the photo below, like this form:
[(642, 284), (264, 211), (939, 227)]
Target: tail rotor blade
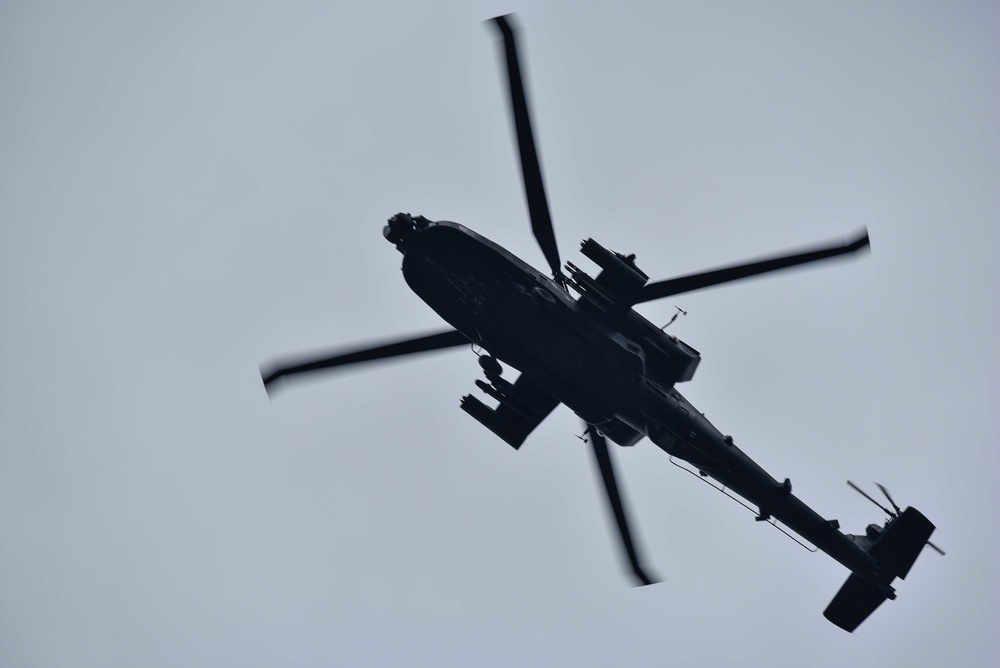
[(886, 492), (705, 279), (283, 369), (603, 458), (531, 171), (865, 494), (935, 548)]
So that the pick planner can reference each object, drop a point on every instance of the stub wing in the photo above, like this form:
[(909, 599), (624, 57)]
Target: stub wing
[(523, 405)]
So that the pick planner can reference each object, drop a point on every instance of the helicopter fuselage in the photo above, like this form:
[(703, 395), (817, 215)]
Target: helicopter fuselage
[(610, 370), (576, 340)]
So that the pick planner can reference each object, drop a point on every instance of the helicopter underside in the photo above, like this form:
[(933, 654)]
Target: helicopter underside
[(614, 368), (526, 320)]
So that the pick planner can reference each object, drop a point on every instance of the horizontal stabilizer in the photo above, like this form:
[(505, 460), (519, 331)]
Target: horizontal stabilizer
[(857, 599)]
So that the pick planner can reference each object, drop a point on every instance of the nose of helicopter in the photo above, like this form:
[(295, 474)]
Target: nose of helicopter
[(401, 227)]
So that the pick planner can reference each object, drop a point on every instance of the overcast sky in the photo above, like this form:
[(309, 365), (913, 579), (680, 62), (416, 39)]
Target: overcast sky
[(188, 189)]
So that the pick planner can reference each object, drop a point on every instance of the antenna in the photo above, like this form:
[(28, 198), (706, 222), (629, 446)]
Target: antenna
[(680, 311)]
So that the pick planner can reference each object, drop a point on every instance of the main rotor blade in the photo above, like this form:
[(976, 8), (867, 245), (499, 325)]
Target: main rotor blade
[(531, 172), (603, 458), (865, 494), (886, 492), (409, 346), (707, 279)]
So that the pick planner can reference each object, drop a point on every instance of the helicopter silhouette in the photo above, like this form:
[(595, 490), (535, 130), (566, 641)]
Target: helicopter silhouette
[(614, 368)]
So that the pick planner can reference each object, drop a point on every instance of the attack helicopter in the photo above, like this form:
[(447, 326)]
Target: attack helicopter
[(576, 340)]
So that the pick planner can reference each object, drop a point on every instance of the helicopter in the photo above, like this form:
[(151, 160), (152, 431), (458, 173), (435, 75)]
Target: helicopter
[(575, 339)]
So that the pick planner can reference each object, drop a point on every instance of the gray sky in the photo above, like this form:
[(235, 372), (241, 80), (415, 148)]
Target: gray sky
[(188, 189)]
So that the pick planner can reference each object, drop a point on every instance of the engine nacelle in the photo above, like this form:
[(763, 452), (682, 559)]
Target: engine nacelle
[(671, 357)]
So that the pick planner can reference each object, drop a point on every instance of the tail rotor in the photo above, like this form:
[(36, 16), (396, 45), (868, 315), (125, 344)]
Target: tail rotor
[(894, 548), (892, 514), (891, 502)]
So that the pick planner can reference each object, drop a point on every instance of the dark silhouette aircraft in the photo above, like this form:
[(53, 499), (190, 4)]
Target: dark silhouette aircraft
[(576, 340)]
